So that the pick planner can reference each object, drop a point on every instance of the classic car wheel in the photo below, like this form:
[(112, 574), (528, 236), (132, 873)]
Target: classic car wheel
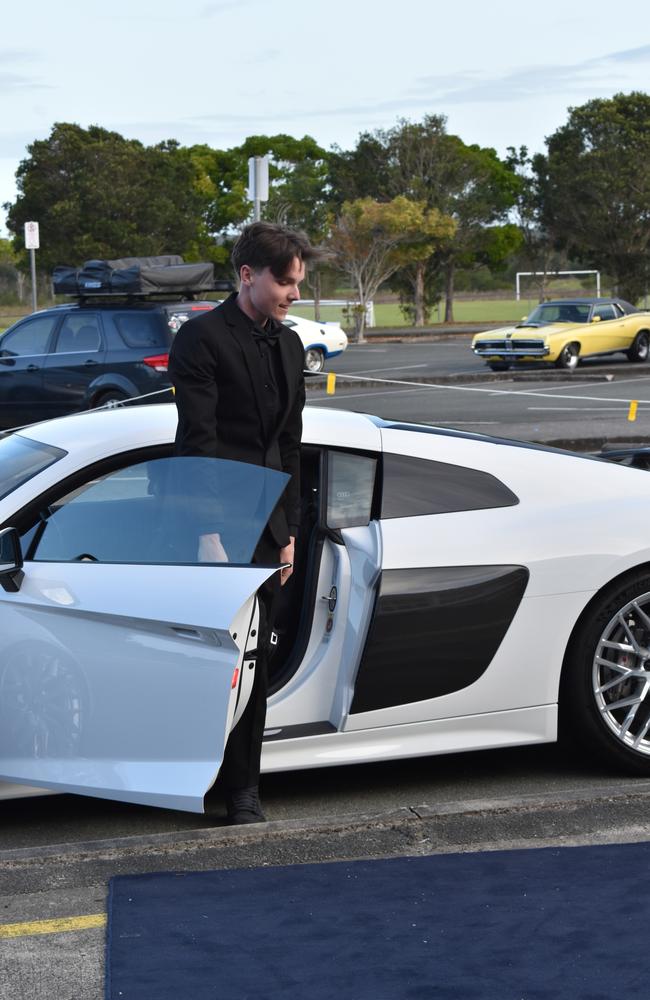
[(314, 359), (498, 366), (605, 691), (640, 347), (568, 358)]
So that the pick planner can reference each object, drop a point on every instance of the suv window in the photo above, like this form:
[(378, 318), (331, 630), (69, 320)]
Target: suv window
[(28, 339), (141, 329), (79, 332)]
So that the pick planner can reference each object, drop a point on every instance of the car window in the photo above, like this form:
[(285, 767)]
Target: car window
[(79, 333), (28, 339), (605, 311), (156, 511), (21, 459), (413, 486), (142, 329), (350, 489)]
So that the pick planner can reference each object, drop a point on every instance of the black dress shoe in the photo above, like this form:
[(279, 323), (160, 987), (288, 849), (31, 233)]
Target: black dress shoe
[(244, 806)]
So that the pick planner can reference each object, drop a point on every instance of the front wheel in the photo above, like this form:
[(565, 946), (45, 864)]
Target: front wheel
[(568, 358), (605, 691), (640, 348), (314, 359)]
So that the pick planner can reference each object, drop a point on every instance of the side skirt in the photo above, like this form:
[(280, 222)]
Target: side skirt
[(518, 727)]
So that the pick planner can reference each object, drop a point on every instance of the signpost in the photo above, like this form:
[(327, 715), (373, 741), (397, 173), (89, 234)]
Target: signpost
[(258, 183), (32, 244)]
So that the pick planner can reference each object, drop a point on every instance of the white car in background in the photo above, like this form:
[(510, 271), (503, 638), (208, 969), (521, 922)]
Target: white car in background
[(321, 341)]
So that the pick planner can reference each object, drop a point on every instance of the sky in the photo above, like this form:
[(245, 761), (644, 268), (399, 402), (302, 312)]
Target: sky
[(504, 72)]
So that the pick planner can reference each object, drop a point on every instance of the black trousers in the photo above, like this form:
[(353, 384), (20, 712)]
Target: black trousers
[(241, 760)]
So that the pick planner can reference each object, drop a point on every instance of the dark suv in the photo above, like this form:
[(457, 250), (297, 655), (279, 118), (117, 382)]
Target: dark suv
[(73, 357)]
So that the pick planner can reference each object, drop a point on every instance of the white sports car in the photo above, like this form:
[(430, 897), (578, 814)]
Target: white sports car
[(451, 592)]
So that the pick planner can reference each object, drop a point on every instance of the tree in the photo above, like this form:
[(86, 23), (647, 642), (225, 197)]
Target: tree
[(372, 239), (594, 183), (99, 195), (423, 162)]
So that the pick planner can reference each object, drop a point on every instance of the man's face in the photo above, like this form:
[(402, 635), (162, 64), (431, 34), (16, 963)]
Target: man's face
[(269, 296)]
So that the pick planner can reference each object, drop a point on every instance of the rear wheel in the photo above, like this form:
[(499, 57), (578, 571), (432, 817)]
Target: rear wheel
[(498, 366), (314, 359), (110, 396), (605, 693), (640, 348), (568, 359)]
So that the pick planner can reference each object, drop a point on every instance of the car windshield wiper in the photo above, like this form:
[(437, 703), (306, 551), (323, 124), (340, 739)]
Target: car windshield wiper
[(522, 326)]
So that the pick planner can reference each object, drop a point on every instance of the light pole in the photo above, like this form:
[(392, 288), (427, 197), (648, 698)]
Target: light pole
[(258, 183)]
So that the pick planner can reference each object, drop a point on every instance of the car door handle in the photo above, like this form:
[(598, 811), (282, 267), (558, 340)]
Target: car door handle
[(89, 363), (32, 368)]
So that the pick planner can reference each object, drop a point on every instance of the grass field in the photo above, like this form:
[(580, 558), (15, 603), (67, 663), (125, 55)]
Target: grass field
[(465, 311), (504, 310)]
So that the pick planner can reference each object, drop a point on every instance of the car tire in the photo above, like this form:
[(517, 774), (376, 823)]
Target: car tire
[(568, 358), (110, 396), (498, 366), (314, 360), (605, 689), (640, 349)]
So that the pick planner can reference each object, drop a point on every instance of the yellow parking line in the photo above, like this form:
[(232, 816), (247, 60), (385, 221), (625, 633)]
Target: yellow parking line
[(53, 926)]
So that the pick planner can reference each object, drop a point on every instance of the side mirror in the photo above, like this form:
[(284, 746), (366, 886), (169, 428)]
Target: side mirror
[(11, 561), (595, 319), (524, 318)]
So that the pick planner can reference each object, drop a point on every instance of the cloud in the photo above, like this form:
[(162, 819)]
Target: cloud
[(533, 81)]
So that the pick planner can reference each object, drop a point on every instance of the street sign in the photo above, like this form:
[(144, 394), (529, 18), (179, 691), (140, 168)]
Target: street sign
[(31, 236)]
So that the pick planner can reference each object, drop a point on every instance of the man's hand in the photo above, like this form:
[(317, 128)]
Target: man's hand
[(211, 550), (286, 556)]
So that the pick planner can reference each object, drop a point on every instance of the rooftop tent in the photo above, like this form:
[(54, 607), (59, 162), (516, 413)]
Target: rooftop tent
[(134, 276)]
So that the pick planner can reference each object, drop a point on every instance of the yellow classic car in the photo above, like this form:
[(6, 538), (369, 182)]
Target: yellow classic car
[(564, 331)]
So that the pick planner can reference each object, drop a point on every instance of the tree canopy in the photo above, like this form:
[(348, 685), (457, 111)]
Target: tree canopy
[(594, 187), (98, 195)]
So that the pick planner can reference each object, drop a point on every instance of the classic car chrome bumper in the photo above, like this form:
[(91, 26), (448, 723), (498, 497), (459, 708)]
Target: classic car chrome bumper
[(511, 348)]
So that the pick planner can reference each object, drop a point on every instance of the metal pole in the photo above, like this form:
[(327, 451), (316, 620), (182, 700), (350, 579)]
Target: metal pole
[(257, 210), (32, 260)]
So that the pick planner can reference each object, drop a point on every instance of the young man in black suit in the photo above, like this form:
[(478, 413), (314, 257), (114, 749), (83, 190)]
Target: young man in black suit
[(239, 388)]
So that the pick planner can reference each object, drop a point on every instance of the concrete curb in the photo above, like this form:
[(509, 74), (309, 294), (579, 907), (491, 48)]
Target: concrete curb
[(345, 381), (530, 813)]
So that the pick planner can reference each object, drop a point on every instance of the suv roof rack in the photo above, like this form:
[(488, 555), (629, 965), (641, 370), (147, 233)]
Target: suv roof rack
[(186, 294)]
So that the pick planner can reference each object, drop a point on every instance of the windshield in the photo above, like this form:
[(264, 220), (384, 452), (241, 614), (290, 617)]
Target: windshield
[(558, 312), (21, 459)]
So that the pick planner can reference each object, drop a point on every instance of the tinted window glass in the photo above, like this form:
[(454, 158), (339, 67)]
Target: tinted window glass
[(79, 333), (142, 329), (21, 459), (350, 488), (414, 486), (29, 338), (156, 512)]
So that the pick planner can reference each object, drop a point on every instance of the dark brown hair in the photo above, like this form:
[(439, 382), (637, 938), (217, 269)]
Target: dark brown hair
[(267, 244)]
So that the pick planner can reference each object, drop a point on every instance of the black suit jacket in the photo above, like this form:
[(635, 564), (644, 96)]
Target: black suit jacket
[(218, 378)]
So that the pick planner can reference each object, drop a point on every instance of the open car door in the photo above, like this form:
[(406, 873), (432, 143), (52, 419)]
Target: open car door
[(124, 661)]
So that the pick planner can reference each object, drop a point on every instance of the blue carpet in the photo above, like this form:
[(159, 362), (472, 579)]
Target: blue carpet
[(509, 925)]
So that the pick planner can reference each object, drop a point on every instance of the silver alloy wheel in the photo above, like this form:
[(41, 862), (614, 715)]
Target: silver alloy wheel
[(314, 359), (621, 675)]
